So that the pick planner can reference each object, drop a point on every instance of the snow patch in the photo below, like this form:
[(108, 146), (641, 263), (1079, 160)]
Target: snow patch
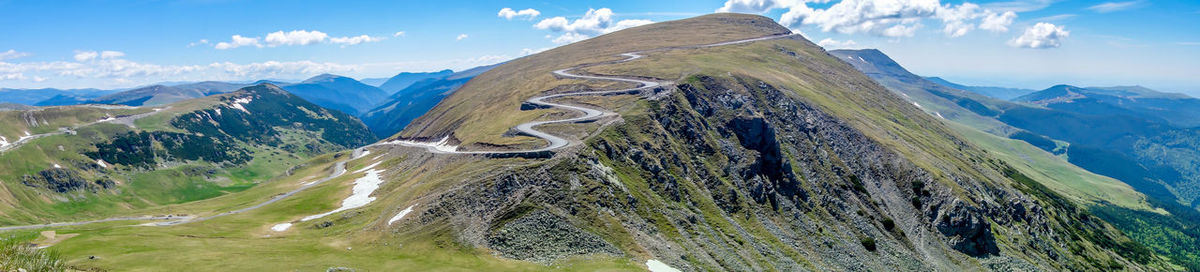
[(939, 115), (218, 111), (101, 163), (237, 103), (57, 166), (657, 266), (918, 105), (859, 59), (110, 118), (439, 146), (361, 193), (27, 133), (368, 168), (401, 215), (281, 227), (359, 155), (3, 141)]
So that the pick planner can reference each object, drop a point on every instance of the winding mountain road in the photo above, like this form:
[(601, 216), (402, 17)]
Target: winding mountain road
[(529, 128), (589, 114)]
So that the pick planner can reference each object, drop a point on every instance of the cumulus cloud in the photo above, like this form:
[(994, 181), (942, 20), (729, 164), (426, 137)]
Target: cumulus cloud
[(753, 6), (1040, 36), (997, 22), (238, 41), (461, 37), (12, 54), (344, 41), (829, 43), (1114, 6), (295, 37), (111, 66), (594, 22), (82, 56), (889, 18), (509, 13), (398, 34)]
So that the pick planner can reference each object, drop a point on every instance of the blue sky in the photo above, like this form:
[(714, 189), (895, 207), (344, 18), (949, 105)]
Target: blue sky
[(1022, 43)]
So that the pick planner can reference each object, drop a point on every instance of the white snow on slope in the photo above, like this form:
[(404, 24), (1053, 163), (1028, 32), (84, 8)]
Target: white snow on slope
[(57, 166), (237, 103), (281, 227), (657, 266), (3, 141), (101, 163), (361, 193), (401, 215), (441, 145)]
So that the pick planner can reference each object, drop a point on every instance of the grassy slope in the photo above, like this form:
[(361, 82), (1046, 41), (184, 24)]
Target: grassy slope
[(1052, 171), (469, 112), (142, 190)]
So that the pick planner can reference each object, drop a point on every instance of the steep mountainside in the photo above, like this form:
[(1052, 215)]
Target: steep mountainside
[(406, 79), (338, 92), (404, 106), (87, 161), (768, 155), (995, 92), (1108, 139)]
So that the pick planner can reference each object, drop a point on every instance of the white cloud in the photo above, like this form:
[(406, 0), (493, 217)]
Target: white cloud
[(111, 54), (889, 18), (398, 34), (12, 54), (461, 37), (200, 42), (997, 22), (1114, 6), (1041, 35), (527, 51), (295, 37), (828, 43), (82, 56), (344, 41), (509, 13), (753, 6), (1019, 5), (12, 76), (594, 22), (238, 41)]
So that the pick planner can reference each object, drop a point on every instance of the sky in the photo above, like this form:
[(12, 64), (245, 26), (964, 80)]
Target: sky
[(1011, 43)]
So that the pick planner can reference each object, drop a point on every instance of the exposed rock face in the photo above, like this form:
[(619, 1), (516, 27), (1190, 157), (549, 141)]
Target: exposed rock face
[(544, 237), (969, 232), (735, 174), (63, 180)]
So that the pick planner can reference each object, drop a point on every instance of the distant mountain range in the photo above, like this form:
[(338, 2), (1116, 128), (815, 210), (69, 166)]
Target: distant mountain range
[(405, 105), (404, 80), (1142, 137), (996, 92), (338, 92)]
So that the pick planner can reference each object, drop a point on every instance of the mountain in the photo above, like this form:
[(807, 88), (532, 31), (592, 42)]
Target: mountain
[(1111, 139), (753, 154), (93, 161), (760, 151), (373, 81), (33, 96), (161, 94), (338, 92), (994, 92), (406, 105), (1177, 109), (406, 79)]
